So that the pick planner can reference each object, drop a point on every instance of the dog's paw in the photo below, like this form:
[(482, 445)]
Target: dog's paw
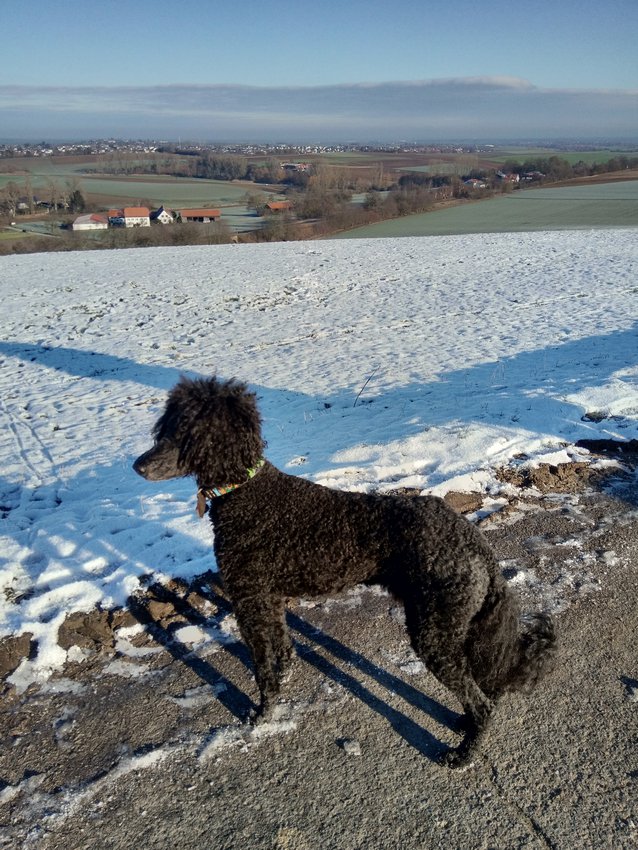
[(262, 714), (257, 716), (456, 758), (462, 725)]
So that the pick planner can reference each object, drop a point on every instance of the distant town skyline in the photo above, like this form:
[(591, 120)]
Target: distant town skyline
[(320, 71)]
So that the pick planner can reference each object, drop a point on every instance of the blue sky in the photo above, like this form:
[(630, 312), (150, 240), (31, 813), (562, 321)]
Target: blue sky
[(318, 69)]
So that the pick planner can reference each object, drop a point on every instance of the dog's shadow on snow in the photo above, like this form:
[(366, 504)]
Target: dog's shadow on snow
[(309, 640), (539, 391)]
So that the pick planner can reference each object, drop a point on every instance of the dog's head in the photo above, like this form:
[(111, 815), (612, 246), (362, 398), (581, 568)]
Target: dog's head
[(209, 429)]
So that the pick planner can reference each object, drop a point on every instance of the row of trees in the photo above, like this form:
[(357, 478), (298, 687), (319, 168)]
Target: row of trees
[(184, 162), (20, 196), (554, 169), (176, 162), (211, 165), (322, 211), (557, 168)]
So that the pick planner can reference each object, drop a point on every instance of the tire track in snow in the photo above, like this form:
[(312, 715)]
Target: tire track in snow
[(31, 448)]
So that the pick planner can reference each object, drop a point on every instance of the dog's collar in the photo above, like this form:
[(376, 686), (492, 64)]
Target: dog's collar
[(207, 494)]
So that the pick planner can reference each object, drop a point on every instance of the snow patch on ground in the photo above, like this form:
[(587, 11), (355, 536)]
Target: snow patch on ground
[(243, 737)]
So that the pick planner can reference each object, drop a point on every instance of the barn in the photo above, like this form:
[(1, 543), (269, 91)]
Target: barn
[(202, 216), (90, 221)]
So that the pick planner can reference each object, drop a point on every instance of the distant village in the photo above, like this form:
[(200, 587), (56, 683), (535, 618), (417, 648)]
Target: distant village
[(108, 146)]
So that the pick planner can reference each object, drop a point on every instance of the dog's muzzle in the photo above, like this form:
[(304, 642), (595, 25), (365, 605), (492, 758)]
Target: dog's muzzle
[(140, 465)]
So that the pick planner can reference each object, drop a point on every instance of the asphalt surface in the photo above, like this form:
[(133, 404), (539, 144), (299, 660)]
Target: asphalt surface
[(142, 745)]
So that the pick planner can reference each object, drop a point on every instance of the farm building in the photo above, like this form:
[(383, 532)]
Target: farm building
[(130, 217), (162, 216), (475, 183), (91, 221), (201, 216), (295, 166), (508, 178), (278, 206)]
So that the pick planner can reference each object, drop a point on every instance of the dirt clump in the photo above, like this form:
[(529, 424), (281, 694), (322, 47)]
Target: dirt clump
[(552, 478), (13, 650), (463, 503), (88, 630)]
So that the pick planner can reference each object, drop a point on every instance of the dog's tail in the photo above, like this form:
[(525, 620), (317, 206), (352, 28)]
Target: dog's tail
[(508, 652), (536, 651)]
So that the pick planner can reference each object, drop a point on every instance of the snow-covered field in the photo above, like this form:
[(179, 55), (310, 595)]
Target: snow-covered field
[(425, 362)]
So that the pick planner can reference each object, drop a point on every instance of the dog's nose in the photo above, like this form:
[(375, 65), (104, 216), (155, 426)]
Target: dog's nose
[(139, 466)]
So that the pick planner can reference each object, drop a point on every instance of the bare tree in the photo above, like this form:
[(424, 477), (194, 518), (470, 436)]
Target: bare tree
[(28, 191), (53, 194), (12, 196)]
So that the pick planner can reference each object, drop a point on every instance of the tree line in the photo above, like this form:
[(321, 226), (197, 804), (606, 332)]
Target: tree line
[(67, 197), (173, 161)]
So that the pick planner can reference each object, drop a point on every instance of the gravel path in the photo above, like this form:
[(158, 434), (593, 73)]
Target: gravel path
[(139, 743)]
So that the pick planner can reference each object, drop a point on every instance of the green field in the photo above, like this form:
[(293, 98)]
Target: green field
[(438, 168), (104, 191), (450, 163), (349, 157), (172, 191), (501, 154), (561, 208)]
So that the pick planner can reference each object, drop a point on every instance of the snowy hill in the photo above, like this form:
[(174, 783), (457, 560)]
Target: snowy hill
[(425, 362)]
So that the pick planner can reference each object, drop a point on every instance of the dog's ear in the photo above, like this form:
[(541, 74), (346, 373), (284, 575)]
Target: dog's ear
[(244, 445), (242, 411), (218, 429)]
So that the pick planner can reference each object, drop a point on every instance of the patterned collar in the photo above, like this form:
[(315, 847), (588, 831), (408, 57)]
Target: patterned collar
[(207, 494)]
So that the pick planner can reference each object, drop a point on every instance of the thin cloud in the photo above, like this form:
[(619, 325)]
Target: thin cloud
[(501, 106)]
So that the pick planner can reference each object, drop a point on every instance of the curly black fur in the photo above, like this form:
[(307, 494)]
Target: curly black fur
[(278, 536)]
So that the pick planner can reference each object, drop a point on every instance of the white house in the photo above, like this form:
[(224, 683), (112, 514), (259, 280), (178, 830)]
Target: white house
[(91, 221), (513, 177), (130, 217), (475, 183), (163, 216)]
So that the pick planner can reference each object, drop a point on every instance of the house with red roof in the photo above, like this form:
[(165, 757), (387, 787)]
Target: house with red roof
[(278, 206), (130, 217), (201, 216), (90, 221)]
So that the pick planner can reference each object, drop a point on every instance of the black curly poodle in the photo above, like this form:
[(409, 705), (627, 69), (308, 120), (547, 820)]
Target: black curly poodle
[(278, 536)]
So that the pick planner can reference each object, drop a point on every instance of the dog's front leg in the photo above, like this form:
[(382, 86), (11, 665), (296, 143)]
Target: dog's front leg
[(262, 626)]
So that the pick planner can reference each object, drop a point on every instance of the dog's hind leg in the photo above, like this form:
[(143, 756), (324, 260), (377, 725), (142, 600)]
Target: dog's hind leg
[(442, 649), (263, 627)]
